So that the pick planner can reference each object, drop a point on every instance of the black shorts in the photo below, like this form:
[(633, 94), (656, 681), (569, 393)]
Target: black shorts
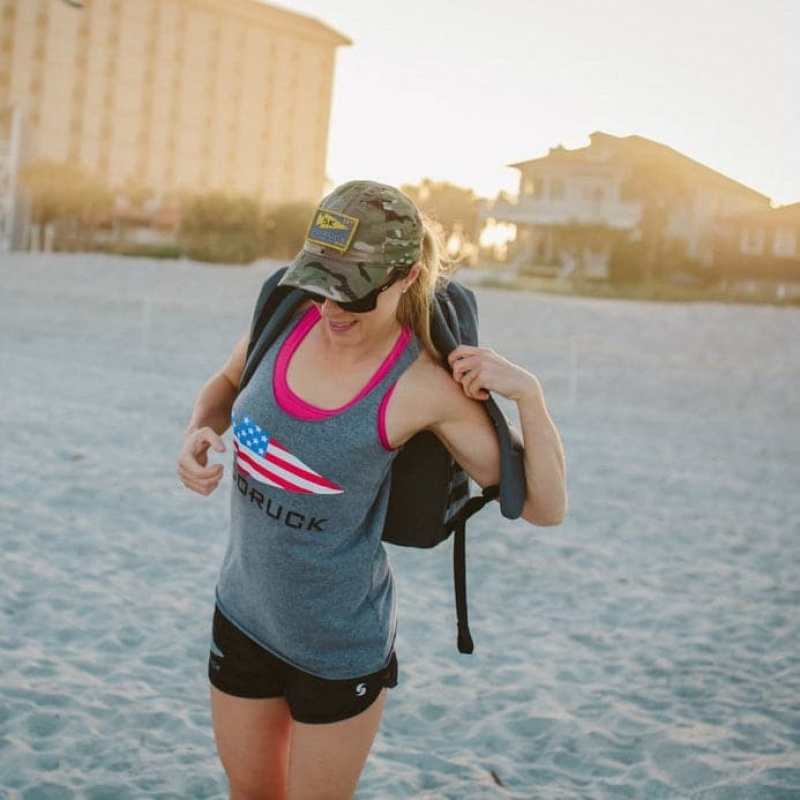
[(239, 666)]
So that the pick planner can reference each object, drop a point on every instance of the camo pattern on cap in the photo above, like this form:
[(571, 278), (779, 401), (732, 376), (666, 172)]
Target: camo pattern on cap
[(360, 233)]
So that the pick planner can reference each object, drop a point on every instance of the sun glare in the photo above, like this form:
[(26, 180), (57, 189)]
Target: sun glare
[(497, 236)]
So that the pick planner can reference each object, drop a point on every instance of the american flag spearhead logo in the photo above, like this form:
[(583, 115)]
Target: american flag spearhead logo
[(266, 460)]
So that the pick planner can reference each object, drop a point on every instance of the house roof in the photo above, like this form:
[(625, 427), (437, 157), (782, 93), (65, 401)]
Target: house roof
[(792, 210), (782, 215), (626, 151)]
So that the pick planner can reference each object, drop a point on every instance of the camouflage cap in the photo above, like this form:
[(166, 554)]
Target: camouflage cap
[(361, 232)]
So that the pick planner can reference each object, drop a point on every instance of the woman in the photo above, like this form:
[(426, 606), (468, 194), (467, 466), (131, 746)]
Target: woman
[(303, 632)]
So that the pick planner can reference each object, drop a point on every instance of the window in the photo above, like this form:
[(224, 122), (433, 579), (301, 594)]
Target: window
[(592, 192), (784, 242), (751, 241), (556, 188)]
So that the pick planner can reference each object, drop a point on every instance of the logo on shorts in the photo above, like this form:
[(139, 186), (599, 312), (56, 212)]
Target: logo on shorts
[(215, 657), (361, 689)]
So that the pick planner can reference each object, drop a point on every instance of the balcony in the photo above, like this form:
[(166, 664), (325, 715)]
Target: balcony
[(546, 212)]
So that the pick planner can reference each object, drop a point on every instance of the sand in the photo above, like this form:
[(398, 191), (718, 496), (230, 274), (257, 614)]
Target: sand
[(647, 648)]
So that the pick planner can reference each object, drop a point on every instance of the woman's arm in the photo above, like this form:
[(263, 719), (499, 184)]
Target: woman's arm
[(210, 418), (480, 370)]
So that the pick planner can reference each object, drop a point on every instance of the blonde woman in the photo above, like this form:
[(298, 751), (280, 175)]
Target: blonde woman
[(304, 626)]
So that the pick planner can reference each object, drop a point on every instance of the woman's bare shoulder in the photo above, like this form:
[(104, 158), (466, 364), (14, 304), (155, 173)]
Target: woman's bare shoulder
[(426, 376), (424, 395)]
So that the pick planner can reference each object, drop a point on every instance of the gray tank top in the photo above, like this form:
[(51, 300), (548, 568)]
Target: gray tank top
[(305, 573)]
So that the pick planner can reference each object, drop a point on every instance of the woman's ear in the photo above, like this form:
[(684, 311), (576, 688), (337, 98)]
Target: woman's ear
[(411, 277)]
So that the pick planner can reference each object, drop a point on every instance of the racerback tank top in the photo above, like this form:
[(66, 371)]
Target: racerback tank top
[(305, 573)]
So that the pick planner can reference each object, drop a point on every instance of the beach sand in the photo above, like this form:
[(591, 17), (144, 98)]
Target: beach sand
[(646, 648)]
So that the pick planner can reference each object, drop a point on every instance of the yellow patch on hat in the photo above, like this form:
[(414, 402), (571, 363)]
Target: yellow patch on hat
[(332, 229)]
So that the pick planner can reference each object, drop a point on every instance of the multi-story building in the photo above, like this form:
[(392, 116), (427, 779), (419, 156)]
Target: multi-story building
[(174, 95), (574, 204), (761, 244)]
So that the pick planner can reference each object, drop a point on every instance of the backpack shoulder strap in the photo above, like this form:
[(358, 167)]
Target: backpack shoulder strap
[(273, 309), (454, 321)]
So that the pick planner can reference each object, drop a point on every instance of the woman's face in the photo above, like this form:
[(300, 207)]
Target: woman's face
[(354, 327)]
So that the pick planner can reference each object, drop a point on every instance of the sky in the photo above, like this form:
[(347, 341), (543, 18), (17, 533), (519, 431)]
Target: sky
[(458, 91)]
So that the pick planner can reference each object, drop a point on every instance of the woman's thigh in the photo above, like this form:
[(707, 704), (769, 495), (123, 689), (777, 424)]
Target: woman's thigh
[(326, 760), (253, 739)]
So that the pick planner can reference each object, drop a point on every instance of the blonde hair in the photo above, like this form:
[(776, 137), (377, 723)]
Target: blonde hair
[(415, 305)]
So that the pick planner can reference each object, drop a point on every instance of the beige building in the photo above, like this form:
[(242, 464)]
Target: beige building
[(573, 204), (174, 95)]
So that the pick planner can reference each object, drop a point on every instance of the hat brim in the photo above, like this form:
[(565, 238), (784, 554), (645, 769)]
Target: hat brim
[(341, 281)]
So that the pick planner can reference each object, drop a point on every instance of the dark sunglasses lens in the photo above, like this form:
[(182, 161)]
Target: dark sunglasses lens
[(314, 297), (364, 304), (369, 301), (360, 306)]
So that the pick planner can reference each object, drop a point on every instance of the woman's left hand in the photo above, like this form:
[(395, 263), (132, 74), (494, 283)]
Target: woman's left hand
[(480, 370)]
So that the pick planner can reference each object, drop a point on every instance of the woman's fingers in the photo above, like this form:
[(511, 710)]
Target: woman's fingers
[(480, 370), (194, 470)]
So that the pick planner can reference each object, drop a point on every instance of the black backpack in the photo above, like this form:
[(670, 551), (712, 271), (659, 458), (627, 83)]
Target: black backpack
[(430, 493)]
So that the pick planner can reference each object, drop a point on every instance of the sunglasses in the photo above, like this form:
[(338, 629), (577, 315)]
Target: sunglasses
[(364, 304)]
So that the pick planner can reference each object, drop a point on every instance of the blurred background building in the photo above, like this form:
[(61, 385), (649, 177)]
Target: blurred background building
[(171, 95), (620, 199)]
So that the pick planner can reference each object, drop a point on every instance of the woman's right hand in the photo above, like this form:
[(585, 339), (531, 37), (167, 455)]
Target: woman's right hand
[(193, 468)]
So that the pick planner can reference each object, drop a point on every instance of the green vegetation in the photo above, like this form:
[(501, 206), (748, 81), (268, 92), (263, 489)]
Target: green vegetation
[(160, 251), (231, 229), (453, 210), (662, 291), (66, 199), (220, 228), (74, 211)]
